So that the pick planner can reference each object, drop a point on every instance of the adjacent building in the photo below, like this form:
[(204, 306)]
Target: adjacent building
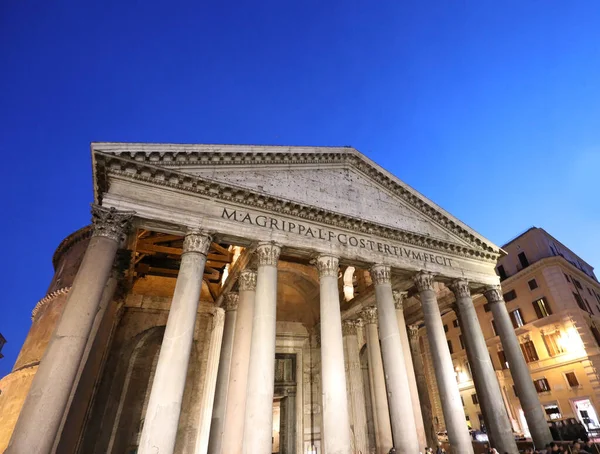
[(553, 300)]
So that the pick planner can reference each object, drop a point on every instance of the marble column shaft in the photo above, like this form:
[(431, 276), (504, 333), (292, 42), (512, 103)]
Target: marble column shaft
[(530, 402), (381, 412), (336, 422), (258, 421), (458, 433), (164, 405), (484, 376), (46, 401), (217, 424), (356, 390), (421, 379), (410, 371), (404, 430), (238, 376)]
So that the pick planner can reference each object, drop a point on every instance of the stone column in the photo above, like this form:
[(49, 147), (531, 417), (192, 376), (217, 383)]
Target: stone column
[(240, 359), (383, 428), (410, 371), (356, 392), (336, 423), (164, 405), (534, 414), (404, 430), (484, 376), (258, 421), (42, 412), (458, 433), (424, 399), (217, 424)]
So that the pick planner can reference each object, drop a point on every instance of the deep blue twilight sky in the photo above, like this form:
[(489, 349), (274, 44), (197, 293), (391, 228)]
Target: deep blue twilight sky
[(491, 109)]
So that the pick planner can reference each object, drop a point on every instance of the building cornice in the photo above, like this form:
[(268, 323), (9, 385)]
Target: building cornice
[(144, 171), (79, 235), (46, 299)]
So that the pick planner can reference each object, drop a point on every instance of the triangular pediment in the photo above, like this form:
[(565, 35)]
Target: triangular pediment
[(338, 180)]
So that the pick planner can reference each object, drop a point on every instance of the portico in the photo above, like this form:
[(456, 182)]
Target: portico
[(266, 234)]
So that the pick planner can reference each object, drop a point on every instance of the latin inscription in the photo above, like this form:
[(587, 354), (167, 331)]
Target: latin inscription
[(328, 235)]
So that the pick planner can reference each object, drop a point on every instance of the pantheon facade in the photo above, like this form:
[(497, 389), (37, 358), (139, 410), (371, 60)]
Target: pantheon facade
[(232, 299)]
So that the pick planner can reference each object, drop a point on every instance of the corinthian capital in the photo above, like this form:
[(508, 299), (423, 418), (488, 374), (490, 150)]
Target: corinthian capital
[(369, 315), (423, 281), (460, 288), (493, 294), (197, 241), (268, 254), (413, 331), (328, 265), (247, 280), (381, 274), (399, 299), (349, 328), (110, 223), (231, 301)]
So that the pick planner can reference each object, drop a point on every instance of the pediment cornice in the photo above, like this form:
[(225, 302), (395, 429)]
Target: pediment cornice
[(160, 169)]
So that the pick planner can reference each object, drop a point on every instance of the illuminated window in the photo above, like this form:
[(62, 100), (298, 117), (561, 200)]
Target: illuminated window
[(542, 308), (532, 284), (541, 385), (516, 318), (553, 343), (529, 351), (572, 379), (552, 411)]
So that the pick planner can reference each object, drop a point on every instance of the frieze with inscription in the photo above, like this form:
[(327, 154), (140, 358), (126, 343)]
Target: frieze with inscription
[(324, 234)]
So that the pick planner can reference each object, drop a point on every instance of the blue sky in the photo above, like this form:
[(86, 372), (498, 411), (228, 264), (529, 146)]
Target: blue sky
[(491, 109)]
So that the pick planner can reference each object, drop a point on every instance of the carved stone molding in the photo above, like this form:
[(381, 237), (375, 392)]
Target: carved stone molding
[(413, 331), (328, 265), (399, 299), (46, 299), (154, 169), (369, 315), (110, 223), (349, 328), (268, 254), (381, 274), (197, 241), (230, 302), (460, 288), (424, 281), (493, 294), (247, 280)]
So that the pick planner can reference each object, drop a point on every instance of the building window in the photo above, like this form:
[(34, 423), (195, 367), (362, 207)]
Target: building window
[(553, 343), (579, 301), (462, 344), (523, 260), (552, 411), (455, 323), (542, 308), (577, 283), (572, 380), (589, 308), (529, 351), (532, 284), (567, 277), (494, 328), (596, 334), (589, 291), (474, 399), (450, 347), (541, 385), (502, 359), (445, 328), (501, 272), (509, 296), (486, 307), (516, 318)]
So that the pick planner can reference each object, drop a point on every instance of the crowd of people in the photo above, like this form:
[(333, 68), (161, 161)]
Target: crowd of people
[(577, 447)]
